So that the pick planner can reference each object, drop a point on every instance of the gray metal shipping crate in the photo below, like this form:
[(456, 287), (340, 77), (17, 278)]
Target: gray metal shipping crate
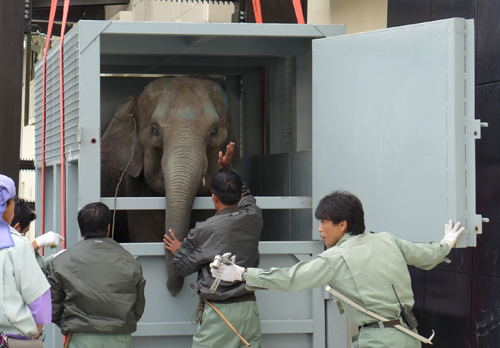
[(320, 97)]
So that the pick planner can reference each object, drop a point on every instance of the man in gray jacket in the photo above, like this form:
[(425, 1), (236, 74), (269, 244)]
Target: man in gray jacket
[(235, 228), (97, 286)]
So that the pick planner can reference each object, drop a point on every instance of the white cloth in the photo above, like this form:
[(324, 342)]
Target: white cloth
[(21, 282)]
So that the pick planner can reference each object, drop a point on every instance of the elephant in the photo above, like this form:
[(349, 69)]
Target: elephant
[(181, 124)]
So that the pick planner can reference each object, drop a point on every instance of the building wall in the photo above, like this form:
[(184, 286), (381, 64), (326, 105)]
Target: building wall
[(460, 301), (357, 15), (171, 11)]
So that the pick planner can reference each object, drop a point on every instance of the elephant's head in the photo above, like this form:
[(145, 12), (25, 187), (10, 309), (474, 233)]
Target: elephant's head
[(182, 124)]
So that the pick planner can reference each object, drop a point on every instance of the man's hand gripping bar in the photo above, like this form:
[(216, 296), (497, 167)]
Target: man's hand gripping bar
[(226, 259)]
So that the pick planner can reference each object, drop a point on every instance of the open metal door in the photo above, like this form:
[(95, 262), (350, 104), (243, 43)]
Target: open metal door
[(393, 123)]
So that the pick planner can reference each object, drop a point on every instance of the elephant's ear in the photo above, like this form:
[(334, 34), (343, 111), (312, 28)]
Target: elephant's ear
[(118, 140)]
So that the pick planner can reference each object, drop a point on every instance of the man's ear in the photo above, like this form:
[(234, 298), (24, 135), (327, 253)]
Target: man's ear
[(109, 229), (17, 227), (240, 197), (343, 226)]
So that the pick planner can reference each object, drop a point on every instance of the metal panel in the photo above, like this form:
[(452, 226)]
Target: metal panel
[(305, 318), (393, 122), (152, 203), (167, 320), (72, 100)]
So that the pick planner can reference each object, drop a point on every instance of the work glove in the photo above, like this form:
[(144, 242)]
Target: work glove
[(228, 273), (451, 233), (50, 239)]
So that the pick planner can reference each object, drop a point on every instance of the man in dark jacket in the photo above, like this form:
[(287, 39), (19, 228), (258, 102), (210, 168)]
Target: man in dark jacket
[(97, 286), (235, 228)]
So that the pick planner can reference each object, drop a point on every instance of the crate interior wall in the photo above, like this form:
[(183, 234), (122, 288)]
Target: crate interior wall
[(268, 77)]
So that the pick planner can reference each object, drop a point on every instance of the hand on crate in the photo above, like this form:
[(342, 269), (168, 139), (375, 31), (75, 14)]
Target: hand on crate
[(451, 233)]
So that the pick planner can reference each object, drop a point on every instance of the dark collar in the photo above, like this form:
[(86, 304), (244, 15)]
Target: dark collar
[(228, 210)]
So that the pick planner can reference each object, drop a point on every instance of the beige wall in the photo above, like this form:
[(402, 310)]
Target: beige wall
[(170, 11), (357, 15)]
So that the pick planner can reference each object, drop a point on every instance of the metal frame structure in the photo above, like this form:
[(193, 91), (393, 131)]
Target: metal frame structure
[(94, 48)]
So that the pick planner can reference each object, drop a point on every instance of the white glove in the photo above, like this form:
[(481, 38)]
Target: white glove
[(50, 239), (59, 252), (451, 233), (228, 273)]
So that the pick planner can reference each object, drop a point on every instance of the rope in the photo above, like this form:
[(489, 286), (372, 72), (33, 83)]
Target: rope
[(123, 173)]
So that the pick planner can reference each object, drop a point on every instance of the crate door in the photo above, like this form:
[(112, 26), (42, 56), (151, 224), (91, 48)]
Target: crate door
[(393, 123)]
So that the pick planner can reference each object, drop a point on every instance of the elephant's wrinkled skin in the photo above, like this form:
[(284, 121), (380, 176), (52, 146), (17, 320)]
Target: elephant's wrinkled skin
[(182, 124)]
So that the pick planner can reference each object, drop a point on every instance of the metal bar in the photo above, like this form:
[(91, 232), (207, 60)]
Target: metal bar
[(158, 203), (265, 248), (186, 328)]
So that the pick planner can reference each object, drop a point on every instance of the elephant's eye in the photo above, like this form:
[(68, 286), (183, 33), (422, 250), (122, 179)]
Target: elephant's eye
[(155, 130), (214, 131)]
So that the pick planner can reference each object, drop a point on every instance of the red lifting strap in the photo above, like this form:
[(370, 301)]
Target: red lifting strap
[(297, 6), (53, 8), (61, 107), (256, 11)]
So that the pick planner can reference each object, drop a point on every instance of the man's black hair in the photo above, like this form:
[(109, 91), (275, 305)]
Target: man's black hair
[(227, 187), (342, 205), (22, 214), (93, 220)]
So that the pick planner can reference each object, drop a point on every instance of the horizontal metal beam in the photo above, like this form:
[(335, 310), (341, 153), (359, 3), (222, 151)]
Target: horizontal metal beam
[(265, 248), (159, 203), (186, 328)]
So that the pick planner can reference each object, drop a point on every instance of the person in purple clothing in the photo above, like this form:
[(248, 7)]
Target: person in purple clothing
[(26, 302)]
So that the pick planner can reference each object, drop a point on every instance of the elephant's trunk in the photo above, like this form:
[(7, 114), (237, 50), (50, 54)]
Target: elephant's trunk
[(184, 167)]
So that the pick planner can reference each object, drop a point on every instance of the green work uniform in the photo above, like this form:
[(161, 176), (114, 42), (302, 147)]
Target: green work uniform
[(21, 283), (99, 340), (364, 268), (214, 332)]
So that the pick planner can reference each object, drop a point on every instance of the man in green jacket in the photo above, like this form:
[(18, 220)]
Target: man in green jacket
[(369, 268), (97, 286)]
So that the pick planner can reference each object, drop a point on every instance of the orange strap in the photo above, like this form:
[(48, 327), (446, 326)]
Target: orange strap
[(256, 11), (298, 11), (61, 107), (53, 8)]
